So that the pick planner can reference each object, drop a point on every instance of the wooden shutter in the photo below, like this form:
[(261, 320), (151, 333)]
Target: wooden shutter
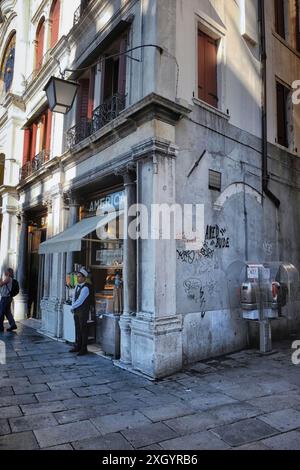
[(54, 17), (48, 131), (207, 69), (108, 79), (33, 141), (91, 92), (26, 146), (40, 45), (211, 72), (281, 115), (42, 133), (279, 17), (83, 99), (122, 67), (201, 66)]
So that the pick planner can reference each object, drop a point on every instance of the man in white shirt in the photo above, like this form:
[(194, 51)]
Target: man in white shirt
[(81, 308)]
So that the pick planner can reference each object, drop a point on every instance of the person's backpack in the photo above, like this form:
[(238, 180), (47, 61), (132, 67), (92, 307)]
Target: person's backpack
[(15, 288)]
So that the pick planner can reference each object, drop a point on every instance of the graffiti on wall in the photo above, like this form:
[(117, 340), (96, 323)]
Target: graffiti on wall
[(215, 238), (268, 247), (198, 291)]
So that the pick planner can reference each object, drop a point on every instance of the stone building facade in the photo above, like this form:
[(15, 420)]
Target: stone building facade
[(179, 118)]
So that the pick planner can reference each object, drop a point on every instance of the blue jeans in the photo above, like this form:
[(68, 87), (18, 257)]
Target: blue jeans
[(5, 304)]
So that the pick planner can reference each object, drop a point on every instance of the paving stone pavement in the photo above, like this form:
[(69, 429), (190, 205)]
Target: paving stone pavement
[(51, 399)]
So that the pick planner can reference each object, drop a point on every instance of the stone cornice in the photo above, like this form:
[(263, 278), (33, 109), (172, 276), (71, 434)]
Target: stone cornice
[(13, 99), (151, 107), (6, 189)]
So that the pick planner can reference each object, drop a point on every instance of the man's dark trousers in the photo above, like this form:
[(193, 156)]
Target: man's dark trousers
[(5, 310), (81, 317)]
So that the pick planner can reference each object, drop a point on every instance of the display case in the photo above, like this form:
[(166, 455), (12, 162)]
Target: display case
[(106, 254)]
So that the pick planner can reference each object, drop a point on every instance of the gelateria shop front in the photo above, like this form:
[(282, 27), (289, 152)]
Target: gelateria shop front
[(96, 243)]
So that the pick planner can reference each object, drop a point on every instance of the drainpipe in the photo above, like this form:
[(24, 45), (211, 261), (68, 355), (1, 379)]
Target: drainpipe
[(265, 174)]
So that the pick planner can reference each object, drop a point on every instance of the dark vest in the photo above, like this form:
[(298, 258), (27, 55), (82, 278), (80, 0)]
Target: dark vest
[(85, 307)]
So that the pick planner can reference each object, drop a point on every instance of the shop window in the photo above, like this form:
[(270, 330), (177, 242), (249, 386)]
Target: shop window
[(37, 142), (282, 93), (207, 69), (40, 38), (54, 22), (279, 8), (7, 65)]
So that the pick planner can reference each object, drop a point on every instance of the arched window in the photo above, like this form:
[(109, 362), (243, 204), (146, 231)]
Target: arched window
[(40, 39), (7, 65), (54, 22)]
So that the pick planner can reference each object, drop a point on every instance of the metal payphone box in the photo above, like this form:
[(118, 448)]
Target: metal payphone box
[(265, 290)]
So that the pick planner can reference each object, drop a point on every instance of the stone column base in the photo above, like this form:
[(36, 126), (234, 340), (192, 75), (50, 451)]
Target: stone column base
[(125, 347), (20, 306), (156, 345)]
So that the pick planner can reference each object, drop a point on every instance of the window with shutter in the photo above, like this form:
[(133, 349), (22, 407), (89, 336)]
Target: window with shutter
[(83, 99), (27, 145), (33, 141), (282, 95), (91, 92), (37, 137), (279, 17), (40, 37), (207, 69), (122, 67), (54, 21), (48, 131)]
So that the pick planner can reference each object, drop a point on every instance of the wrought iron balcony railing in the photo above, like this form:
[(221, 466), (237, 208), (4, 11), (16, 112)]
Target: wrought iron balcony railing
[(80, 11), (79, 132), (108, 110), (34, 165), (102, 115)]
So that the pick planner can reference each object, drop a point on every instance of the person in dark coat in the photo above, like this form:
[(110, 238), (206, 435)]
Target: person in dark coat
[(81, 308)]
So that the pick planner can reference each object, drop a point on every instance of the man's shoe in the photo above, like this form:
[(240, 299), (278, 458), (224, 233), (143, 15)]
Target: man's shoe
[(74, 350), (82, 352), (12, 328)]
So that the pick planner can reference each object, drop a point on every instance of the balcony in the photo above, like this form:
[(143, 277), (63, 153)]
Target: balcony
[(80, 11), (102, 115), (34, 165)]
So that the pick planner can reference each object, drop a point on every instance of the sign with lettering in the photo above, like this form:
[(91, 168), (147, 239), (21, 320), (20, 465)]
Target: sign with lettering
[(252, 272), (113, 201)]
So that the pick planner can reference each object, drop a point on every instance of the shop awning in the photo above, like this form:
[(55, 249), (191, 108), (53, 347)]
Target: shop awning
[(70, 240)]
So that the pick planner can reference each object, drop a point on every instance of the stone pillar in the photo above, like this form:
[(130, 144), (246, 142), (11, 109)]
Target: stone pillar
[(129, 269), (73, 219), (21, 301), (47, 268), (156, 330)]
